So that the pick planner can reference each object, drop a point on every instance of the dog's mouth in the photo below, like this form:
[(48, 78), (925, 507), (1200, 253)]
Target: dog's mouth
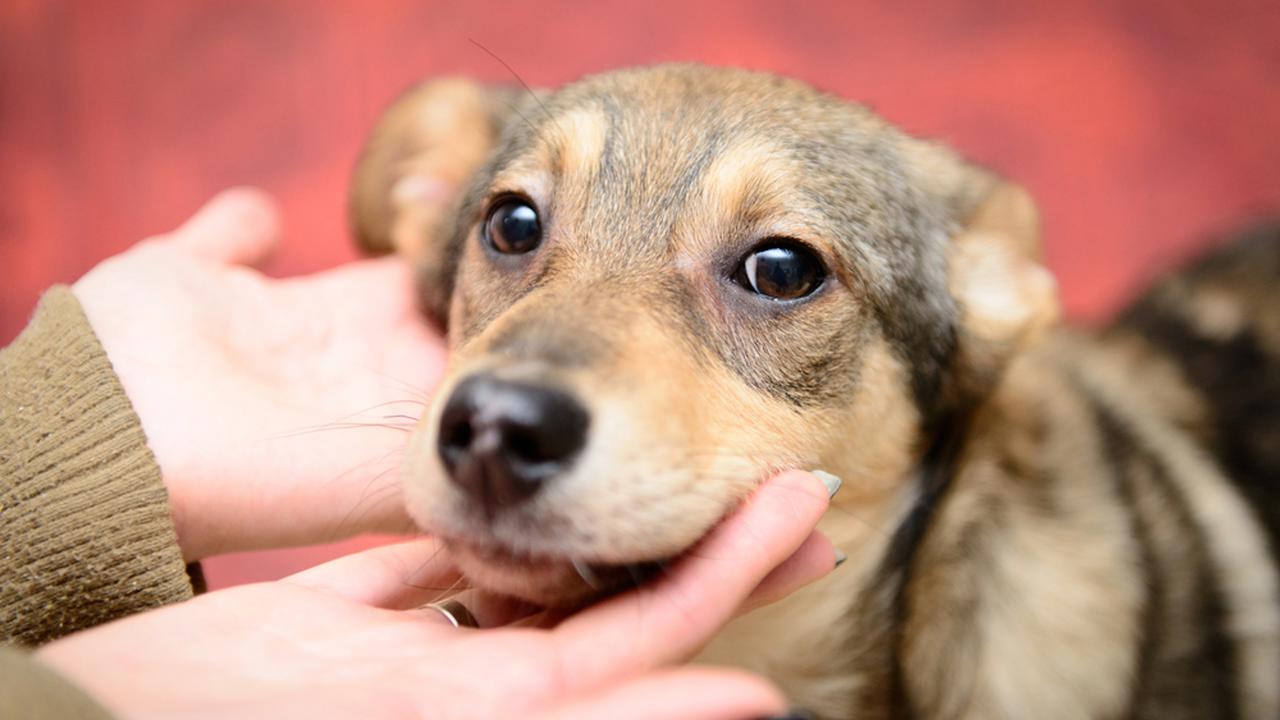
[(546, 579)]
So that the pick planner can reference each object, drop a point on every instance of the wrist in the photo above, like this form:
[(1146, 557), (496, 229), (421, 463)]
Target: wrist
[(141, 407)]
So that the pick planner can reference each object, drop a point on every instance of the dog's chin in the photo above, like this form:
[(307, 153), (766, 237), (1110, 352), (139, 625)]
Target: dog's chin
[(545, 580)]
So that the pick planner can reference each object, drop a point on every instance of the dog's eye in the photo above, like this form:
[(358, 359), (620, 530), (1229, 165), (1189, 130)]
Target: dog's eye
[(781, 270), (513, 227)]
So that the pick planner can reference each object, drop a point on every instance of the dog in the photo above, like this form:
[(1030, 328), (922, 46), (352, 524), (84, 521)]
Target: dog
[(661, 285)]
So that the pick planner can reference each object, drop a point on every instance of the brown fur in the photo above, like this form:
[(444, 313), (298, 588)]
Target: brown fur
[(1030, 534)]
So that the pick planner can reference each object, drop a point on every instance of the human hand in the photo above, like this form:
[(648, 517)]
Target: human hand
[(276, 408), (349, 639)]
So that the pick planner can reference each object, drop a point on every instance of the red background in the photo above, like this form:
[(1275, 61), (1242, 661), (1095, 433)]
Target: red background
[(1139, 126)]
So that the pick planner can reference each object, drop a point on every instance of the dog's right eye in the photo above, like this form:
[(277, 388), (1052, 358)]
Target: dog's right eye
[(512, 227)]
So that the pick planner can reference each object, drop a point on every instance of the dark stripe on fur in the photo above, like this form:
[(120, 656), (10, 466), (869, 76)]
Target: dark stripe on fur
[(1119, 450), (1240, 384), (937, 471), (1208, 680), (926, 342)]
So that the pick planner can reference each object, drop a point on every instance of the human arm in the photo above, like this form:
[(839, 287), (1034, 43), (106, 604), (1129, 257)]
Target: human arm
[(85, 532), (349, 639), (247, 389)]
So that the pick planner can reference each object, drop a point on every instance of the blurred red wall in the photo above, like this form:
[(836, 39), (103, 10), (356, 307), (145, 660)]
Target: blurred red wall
[(1140, 126)]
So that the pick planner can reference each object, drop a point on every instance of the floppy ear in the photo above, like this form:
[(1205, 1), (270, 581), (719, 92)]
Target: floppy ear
[(1005, 298), (418, 161)]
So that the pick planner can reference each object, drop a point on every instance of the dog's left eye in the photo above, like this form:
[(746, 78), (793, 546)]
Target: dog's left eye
[(781, 270), (512, 227)]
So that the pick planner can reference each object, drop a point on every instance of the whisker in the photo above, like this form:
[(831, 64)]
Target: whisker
[(391, 456), (368, 502), (377, 406), (458, 585), (404, 384), (519, 79), (512, 107), (406, 428)]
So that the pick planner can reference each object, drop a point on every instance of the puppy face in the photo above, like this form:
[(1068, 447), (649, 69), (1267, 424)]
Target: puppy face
[(663, 286)]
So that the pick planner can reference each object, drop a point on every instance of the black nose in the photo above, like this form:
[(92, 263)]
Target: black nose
[(500, 441)]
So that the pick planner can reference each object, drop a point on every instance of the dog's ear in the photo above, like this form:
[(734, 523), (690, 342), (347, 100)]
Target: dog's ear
[(1004, 295), (418, 161)]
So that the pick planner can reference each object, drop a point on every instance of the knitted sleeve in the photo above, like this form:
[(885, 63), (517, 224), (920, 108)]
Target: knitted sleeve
[(85, 531)]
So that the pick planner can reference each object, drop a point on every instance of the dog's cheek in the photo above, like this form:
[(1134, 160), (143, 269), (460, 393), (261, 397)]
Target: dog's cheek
[(656, 474), (870, 440)]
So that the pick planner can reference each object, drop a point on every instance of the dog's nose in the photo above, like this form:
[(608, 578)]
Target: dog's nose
[(500, 440)]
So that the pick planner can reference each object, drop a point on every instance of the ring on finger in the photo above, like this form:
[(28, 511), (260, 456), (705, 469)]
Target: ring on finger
[(455, 613)]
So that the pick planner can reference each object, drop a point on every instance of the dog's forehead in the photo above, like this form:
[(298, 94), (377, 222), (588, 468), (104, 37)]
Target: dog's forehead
[(625, 153)]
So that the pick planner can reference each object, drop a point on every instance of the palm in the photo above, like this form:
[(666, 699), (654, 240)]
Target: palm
[(267, 399)]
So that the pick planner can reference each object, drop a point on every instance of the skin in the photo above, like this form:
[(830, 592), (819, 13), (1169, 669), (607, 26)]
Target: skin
[(348, 638), (274, 407)]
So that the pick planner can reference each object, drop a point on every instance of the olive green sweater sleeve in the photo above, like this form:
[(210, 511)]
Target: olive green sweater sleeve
[(85, 532)]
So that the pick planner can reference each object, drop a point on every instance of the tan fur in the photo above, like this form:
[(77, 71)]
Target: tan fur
[(1083, 603), (581, 139), (1252, 589), (749, 177), (1165, 390), (798, 641), (1029, 593), (422, 151)]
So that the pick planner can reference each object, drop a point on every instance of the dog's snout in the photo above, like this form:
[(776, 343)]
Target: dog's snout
[(500, 441)]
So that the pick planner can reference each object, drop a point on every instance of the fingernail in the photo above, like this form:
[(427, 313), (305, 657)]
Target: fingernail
[(831, 482), (792, 715), (840, 557)]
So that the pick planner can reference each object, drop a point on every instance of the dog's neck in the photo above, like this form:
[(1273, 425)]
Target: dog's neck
[(883, 633), (1028, 548), (931, 481)]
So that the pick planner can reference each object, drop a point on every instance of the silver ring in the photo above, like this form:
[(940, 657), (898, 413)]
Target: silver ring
[(455, 612)]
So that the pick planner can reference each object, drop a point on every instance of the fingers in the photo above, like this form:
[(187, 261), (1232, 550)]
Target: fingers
[(685, 694), (814, 559), (383, 284), (239, 226), (671, 619), (396, 577)]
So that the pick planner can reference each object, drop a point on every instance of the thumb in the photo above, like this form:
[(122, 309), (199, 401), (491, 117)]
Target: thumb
[(240, 226)]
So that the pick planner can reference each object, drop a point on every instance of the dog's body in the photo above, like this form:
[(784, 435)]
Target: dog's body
[(710, 275)]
